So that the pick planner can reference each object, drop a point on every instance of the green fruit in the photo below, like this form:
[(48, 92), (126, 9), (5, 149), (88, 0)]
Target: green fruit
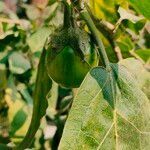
[(70, 56)]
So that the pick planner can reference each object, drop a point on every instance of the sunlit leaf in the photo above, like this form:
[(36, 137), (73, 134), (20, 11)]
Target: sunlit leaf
[(141, 75), (94, 124), (2, 6), (18, 64), (136, 67), (125, 44), (37, 40), (32, 12), (25, 94), (144, 54), (124, 14), (19, 116), (142, 6), (50, 11), (103, 9), (40, 3), (18, 121), (52, 100)]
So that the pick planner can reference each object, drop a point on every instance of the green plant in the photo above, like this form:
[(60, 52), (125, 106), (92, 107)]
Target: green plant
[(87, 92)]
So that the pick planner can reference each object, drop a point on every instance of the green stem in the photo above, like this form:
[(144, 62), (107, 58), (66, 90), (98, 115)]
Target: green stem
[(67, 14), (87, 18)]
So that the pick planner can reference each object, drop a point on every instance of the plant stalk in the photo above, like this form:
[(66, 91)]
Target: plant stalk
[(87, 18), (67, 14)]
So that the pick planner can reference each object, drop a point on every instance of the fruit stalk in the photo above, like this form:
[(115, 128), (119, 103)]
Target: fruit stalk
[(86, 17), (67, 14)]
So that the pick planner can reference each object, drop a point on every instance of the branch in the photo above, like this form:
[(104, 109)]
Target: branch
[(86, 17)]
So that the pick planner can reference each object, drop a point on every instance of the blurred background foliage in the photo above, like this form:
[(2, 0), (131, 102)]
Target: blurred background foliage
[(24, 27)]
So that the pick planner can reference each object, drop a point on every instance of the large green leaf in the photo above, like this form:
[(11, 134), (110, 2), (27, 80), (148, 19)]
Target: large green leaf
[(142, 6), (94, 124)]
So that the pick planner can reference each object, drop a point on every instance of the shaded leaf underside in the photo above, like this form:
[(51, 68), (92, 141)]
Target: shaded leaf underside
[(94, 124)]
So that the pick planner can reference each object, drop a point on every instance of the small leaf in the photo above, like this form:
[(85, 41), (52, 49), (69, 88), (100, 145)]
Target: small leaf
[(144, 54), (124, 14), (52, 98), (125, 44), (50, 11), (18, 121), (32, 12), (94, 124), (2, 6), (103, 9), (11, 85), (13, 112), (25, 93), (142, 6), (66, 102), (37, 40), (40, 3), (18, 64)]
